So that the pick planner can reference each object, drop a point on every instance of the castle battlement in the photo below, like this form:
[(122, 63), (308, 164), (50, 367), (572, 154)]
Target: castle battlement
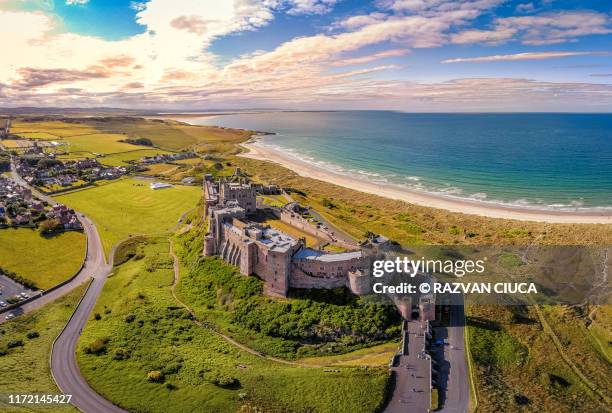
[(279, 259)]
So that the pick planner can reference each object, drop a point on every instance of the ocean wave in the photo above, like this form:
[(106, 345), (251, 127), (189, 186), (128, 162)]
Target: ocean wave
[(444, 190)]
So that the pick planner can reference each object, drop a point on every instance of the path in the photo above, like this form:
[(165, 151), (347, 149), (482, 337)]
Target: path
[(411, 373), (230, 340)]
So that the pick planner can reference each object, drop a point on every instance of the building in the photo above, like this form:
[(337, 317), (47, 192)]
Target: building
[(279, 259)]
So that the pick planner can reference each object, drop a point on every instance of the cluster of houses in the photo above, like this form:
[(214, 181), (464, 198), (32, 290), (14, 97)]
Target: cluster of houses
[(43, 172), (170, 157), (18, 207)]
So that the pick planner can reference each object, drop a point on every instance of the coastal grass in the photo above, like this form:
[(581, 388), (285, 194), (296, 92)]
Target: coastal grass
[(129, 207), (517, 367), (358, 212), (141, 329), (25, 369), (45, 261)]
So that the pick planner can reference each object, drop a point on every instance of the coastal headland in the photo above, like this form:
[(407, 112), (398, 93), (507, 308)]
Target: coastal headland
[(256, 150)]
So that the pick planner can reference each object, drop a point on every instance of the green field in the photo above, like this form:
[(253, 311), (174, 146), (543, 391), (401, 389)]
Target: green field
[(39, 135), (129, 207), (44, 261), (104, 143), (51, 127), (25, 369), (119, 159), (142, 329), (176, 135)]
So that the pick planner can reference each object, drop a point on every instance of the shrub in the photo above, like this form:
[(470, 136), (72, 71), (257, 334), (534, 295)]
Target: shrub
[(50, 226), (130, 317), (97, 346), (170, 386), (15, 343), (32, 334), (97, 316), (155, 376), (121, 354)]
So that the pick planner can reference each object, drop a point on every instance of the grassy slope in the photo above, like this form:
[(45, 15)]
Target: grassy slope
[(176, 135), (518, 368), (162, 337), (26, 369), (128, 207), (49, 260)]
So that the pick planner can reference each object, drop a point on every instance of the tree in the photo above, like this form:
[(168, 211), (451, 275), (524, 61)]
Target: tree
[(49, 226)]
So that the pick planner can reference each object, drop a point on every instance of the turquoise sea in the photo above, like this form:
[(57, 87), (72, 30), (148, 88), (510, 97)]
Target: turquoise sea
[(555, 161)]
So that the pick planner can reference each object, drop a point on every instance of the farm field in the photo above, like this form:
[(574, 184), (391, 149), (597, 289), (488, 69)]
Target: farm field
[(56, 129), (175, 135), (25, 368), (129, 207), (103, 143), (142, 329), (49, 260)]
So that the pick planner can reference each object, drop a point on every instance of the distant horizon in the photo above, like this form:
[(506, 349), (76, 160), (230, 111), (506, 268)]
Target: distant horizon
[(162, 112)]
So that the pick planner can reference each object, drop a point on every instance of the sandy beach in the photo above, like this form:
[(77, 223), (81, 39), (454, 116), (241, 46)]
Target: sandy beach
[(258, 151)]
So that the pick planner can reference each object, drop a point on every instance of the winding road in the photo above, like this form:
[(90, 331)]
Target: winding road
[(64, 367)]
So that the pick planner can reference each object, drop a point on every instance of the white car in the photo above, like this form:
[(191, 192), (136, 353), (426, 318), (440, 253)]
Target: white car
[(3, 304), (9, 316), (24, 295)]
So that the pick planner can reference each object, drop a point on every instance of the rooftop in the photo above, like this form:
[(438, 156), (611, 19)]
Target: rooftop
[(310, 254)]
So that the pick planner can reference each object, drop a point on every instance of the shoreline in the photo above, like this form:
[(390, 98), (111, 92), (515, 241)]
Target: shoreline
[(265, 153)]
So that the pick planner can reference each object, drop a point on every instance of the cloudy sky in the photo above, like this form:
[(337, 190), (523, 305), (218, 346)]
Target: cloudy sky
[(410, 55)]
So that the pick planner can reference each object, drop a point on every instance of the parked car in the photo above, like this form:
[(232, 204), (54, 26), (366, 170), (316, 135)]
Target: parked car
[(3, 304), (9, 316)]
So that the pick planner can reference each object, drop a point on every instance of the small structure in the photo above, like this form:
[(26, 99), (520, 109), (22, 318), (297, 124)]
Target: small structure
[(160, 185)]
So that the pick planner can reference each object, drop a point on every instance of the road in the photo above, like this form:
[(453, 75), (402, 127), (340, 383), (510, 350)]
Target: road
[(64, 367), (411, 374), (453, 374), (92, 264)]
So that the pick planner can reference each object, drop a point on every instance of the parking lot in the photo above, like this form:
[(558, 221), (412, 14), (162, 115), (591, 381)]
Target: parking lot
[(10, 288)]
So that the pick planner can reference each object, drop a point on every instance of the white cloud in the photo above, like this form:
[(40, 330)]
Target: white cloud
[(517, 56), (309, 6), (76, 2), (545, 28)]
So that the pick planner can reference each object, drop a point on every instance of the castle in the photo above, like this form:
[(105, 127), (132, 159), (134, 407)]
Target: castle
[(279, 259)]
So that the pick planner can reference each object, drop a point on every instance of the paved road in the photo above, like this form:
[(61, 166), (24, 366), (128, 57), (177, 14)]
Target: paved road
[(64, 367), (412, 374), (454, 372)]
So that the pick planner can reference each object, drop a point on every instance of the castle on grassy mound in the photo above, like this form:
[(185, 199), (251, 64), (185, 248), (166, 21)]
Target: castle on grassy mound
[(280, 260)]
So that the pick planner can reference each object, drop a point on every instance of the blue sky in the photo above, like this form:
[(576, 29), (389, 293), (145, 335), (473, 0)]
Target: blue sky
[(392, 54)]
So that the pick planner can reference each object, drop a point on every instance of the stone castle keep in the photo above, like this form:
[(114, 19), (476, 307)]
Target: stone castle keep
[(279, 259)]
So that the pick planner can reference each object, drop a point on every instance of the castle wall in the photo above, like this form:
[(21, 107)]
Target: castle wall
[(328, 269)]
